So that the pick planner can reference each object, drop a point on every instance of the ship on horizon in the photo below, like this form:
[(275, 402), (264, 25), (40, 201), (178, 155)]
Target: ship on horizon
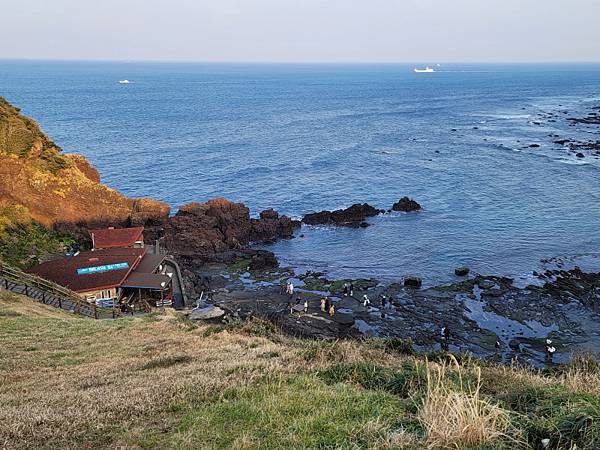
[(427, 69)]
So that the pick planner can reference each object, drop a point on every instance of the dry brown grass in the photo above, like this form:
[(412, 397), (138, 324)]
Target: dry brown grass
[(455, 415), (12, 304), (158, 381), (87, 384)]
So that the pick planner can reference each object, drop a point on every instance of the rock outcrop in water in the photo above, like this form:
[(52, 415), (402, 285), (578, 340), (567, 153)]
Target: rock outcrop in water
[(219, 228), (591, 119), (406, 204), (58, 188), (354, 216)]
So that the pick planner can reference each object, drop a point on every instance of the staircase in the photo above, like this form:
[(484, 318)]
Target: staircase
[(49, 293)]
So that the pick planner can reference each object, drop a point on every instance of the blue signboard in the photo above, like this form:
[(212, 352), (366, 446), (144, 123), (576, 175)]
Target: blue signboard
[(105, 268)]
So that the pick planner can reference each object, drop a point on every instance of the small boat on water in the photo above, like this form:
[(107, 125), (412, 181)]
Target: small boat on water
[(124, 82), (425, 70)]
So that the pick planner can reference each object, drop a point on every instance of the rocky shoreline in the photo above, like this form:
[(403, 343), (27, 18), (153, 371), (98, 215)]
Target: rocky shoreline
[(563, 306), (213, 243)]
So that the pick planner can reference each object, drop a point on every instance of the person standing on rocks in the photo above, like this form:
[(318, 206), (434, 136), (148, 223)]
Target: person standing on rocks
[(351, 288), (323, 303), (445, 338), (383, 301), (305, 306), (549, 350), (366, 301), (346, 289), (331, 310)]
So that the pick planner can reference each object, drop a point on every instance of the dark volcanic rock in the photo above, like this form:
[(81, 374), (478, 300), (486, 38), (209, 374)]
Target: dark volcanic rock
[(534, 145), (263, 260), (406, 204), (271, 227), (580, 155), (206, 230), (461, 271), (590, 120), (414, 282), (354, 216)]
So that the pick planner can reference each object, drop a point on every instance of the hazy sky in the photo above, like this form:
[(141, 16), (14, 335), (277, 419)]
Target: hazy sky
[(302, 30)]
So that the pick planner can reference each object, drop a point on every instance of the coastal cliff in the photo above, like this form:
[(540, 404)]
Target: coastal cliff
[(48, 200), (52, 187)]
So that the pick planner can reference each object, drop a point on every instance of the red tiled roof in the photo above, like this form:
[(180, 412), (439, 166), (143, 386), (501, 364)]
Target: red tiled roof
[(116, 237), (64, 271)]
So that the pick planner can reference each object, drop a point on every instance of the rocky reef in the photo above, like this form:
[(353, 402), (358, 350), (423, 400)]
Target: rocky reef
[(220, 230), (406, 204), (354, 216)]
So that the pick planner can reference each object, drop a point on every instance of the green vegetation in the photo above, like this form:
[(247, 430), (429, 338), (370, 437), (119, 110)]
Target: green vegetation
[(136, 383), (338, 285), (26, 244), (21, 136)]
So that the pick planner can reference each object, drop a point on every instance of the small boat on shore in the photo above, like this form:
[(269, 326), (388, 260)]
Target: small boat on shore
[(425, 70)]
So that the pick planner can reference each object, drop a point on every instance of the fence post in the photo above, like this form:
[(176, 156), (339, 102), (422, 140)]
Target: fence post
[(60, 302), (26, 291), (43, 297), (95, 312)]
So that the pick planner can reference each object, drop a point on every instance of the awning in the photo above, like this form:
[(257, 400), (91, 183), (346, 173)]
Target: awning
[(147, 281), (149, 263)]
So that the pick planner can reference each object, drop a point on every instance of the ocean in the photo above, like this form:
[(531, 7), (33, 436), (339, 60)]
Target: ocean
[(302, 138)]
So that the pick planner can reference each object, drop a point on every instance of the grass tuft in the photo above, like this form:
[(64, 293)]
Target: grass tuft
[(458, 417)]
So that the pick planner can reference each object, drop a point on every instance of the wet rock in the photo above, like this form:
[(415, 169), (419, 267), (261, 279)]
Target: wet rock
[(263, 260), (590, 120), (485, 284), (406, 204), (413, 282), (461, 271), (514, 344), (580, 155), (354, 216), (533, 145)]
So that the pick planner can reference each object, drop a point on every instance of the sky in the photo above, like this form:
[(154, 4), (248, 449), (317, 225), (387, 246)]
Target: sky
[(302, 30)]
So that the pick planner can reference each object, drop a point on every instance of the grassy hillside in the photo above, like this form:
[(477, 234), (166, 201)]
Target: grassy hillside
[(162, 382), (21, 137)]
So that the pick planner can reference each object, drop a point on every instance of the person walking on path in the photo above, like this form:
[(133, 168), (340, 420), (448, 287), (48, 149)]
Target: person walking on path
[(346, 289), (351, 288), (323, 303), (305, 306), (331, 310)]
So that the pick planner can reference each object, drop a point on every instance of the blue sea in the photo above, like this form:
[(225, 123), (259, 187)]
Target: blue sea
[(302, 138)]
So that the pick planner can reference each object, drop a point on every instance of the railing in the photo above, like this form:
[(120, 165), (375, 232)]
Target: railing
[(49, 293)]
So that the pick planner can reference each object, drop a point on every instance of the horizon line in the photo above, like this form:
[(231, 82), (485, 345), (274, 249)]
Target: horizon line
[(265, 62)]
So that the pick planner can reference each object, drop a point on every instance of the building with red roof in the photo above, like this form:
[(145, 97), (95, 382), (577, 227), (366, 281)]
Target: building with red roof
[(109, 273), (117, 238)]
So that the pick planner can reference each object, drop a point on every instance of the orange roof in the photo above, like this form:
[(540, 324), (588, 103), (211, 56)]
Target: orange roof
[(116, 237)]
